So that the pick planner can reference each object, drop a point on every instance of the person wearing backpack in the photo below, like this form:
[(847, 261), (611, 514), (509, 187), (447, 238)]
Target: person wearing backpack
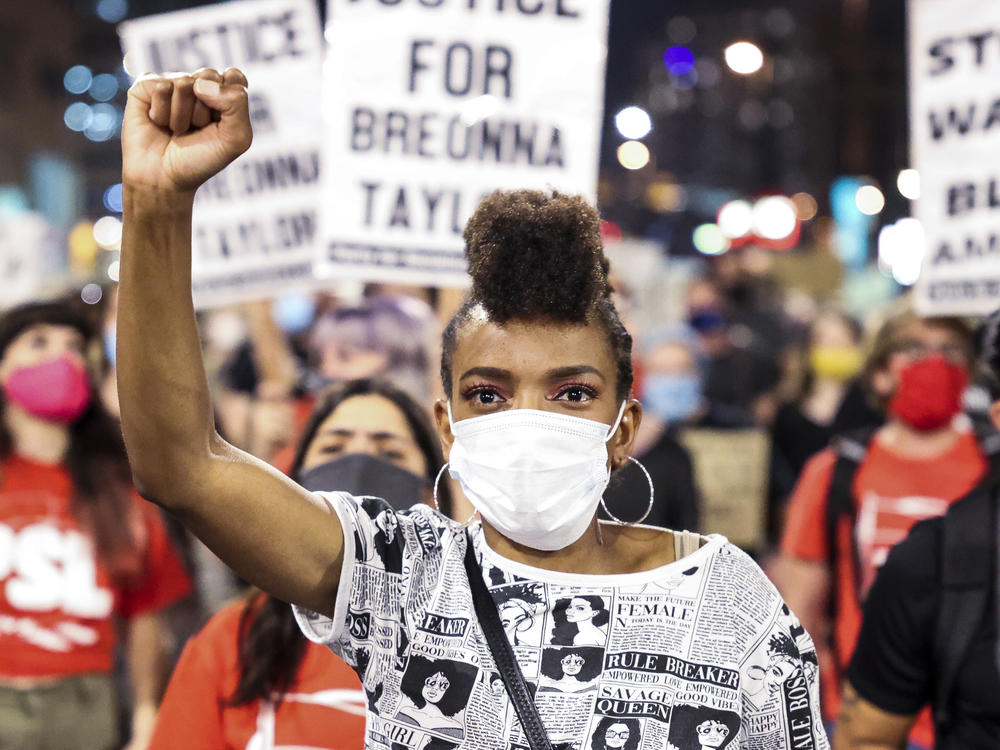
[(930, 622), (859, 497)]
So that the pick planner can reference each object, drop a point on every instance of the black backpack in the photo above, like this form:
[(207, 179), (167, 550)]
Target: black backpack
[(968, 556)]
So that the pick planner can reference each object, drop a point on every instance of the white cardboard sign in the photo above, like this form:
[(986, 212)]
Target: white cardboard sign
[(21, 240), (255, 223), (431, 104), (955, 143)]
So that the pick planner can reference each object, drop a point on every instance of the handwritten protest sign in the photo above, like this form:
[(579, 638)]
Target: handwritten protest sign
[(255, 223), (731, 469), (955, 144)]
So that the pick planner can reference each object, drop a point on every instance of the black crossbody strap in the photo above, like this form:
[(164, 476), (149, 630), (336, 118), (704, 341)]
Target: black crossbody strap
[(503, 654)]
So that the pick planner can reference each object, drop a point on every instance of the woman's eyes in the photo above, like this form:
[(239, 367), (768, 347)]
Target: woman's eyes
[(576, 394), (484, 395)]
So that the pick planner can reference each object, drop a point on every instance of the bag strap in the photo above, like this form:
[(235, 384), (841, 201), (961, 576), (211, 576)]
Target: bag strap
[(967, 551), (503, 654)]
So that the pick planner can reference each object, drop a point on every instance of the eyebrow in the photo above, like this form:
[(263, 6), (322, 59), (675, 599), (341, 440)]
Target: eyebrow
[(379, 435), (571, 370), (498, 373)]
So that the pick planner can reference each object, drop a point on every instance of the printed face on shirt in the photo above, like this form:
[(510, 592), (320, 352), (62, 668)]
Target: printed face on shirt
[(616, 735), (572, 664), (579, 610), (435, 687), (368, 424), (779, 670), (712, 733), (514, 617)]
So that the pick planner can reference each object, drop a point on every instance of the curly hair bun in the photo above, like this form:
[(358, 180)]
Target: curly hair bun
[(536, 255)]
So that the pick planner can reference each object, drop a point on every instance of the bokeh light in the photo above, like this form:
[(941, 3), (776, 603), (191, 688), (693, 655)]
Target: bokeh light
[(681, 30), (111, 11), (104, 87), (678, 60), (708, 239), (908, 183), (744, 58), (108, 232), (77, 79), (901, 249), (735, 219), (806, 205), (113, 198), (78, 116), (633, 155), (664, 196), (114, 270), (775, 217), (91, 294), (869, 200), (633, 122), (104, 123), (82, 247)]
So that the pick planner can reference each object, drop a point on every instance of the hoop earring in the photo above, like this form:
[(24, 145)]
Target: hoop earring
[(649, 507), (437, 507)]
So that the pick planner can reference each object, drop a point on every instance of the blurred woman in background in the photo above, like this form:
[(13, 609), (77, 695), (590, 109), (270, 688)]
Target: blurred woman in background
[(79, 551), (250, 679)]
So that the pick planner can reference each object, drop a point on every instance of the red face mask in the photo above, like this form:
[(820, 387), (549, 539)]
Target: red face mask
[(57, 390), (929, 393)]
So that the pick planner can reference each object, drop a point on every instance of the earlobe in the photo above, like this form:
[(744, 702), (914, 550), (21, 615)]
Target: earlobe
[(443, 425)]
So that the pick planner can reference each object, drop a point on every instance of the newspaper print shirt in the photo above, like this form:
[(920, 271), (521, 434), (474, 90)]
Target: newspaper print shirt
[(700, 653)]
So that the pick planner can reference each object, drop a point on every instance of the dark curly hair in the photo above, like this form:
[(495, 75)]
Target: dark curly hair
[(538, 256)]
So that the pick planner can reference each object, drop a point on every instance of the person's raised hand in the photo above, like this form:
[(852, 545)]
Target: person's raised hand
[(179, 130)]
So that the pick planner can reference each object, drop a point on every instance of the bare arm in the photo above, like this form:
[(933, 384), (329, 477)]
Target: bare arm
[(270, 530), (864, 726), (147, 666), (805, 586)]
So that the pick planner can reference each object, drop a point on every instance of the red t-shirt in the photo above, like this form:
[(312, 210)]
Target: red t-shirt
[(891, 493), (325, 707), (57, 601)]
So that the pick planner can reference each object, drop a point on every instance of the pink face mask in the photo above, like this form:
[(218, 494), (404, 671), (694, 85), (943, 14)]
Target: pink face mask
[(57, 390)]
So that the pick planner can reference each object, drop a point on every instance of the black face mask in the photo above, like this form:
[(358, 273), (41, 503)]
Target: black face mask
[(361, 474)]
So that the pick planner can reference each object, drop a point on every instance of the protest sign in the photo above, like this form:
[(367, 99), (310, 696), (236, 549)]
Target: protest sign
[(21, 240), (431, 104), (255, 222), (731, 469), (955, 145)]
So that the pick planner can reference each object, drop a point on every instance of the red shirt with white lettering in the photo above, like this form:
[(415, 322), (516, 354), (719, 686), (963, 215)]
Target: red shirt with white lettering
[(58, 604), (325, 707), (891, 493)]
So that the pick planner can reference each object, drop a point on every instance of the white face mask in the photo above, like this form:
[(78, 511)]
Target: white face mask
[(535, 476)]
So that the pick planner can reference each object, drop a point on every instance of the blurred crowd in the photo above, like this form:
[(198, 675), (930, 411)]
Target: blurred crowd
[(813, 439)]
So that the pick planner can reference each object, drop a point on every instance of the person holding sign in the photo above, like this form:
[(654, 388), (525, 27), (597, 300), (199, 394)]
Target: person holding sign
[(536, 370)]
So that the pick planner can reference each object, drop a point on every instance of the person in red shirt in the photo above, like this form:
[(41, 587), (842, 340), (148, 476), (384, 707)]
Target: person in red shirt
[(250, 679), (80, 552), (921, 460)]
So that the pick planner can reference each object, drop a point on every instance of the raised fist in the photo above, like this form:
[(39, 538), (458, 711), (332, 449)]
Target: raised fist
[(179, 130)]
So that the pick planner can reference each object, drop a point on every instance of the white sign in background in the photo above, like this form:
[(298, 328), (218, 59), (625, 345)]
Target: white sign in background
[(955, 144), (429, 106), (255, 223), (21, 240)]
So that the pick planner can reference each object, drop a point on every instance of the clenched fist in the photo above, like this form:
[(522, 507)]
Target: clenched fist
[(179, 130)]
